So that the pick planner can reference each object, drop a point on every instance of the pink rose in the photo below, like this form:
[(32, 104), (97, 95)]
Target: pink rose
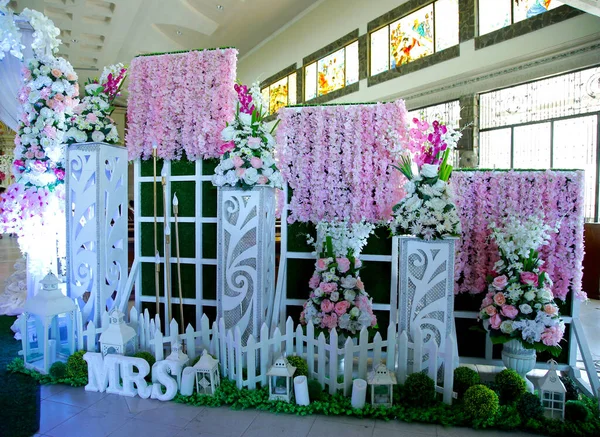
[(550, 309), (343, 264), (357, 263), (263, 180), (314, 281), (56, 73), (341, 307), (227, 147), (239, 172), (529, 278), (254, 142), (495, 321), (237, 161), (499, 299), (40, 155), (328, 287), (486, 302), (509, 311), (91, 118), (500, 282), (490, 310), (322, 264), (50, 131), (327, 306), (256, 162), (359, 284)]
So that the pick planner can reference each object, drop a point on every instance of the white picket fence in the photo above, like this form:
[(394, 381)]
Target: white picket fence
[(248, 364)]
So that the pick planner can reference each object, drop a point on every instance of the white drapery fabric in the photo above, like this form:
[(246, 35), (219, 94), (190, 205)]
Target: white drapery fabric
[(11, 80)]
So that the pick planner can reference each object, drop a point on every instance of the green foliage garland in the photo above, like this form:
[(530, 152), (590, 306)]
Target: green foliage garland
[(18, 366)]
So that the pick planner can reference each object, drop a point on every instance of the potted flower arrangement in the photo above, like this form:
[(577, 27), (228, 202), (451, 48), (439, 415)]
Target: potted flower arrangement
[(247, 154), (519, 309), (338, 299)]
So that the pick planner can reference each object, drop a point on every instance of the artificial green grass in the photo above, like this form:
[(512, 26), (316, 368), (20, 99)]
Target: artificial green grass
[(19, 394)]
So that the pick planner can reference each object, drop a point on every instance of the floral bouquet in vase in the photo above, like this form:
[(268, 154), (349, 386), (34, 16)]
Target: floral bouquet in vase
[(519, 303), (247, 154), (91, 121), (427, 211), (338, 299)]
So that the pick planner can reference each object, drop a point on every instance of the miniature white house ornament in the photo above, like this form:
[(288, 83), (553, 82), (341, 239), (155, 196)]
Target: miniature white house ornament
[(382, 382), (207, 374), (553, 393), (47, 326), (118, 338), (280, 380)]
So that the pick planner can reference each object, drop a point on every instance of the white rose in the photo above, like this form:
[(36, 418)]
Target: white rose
[(268, 160), (251, 176), (268, 171), (429, 170), (227, 164), (409, 187), (228, 133), (97, 136), (231, 177), (246, 119), (507, 327), (545, 295), (348, 282), (349, 295), (529, 296), (219, 180), (318, 292), (334, 296), (354, 312), (58, 87)]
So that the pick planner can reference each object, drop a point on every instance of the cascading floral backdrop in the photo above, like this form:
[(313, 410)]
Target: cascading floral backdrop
[(180, 102)]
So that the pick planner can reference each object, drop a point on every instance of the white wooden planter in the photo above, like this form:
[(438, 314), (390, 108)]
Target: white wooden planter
[(245, 258), (426, 288), (96, 196)]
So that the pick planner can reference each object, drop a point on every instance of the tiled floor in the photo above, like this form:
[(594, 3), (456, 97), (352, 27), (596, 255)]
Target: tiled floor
[(73, 412)]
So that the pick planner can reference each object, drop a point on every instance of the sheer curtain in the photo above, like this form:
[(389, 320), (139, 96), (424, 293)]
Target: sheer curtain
[(10, 78)]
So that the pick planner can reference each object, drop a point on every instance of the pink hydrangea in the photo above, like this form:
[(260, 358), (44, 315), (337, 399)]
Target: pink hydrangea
[(328, 287), (329, 321), (552, 335)]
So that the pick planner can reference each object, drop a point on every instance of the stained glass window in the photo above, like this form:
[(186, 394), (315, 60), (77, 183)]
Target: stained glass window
[(415, 36), (549, 123), (496, 14), (280, 93), (331, 72)]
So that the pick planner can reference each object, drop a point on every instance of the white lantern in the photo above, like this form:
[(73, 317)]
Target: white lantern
[(207, 374), (118, 338), (47, 326), (382, 382), (179, 357), (553, 393), (280, 380)]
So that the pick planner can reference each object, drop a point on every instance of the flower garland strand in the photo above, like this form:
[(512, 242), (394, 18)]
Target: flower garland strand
[(338, 299), (339, 160), (428, 210), (247, 156), (181, 102), (519, 303), (482, 197)]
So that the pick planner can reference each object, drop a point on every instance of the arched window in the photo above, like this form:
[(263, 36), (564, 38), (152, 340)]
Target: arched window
[(428, 30), (496, 14)]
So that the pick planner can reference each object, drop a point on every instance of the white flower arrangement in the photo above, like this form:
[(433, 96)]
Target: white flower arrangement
[(45, 36), (10, 36), (247, 155)]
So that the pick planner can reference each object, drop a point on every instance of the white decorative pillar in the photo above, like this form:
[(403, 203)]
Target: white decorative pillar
[(96, 199), (245, 257), (426, 287)]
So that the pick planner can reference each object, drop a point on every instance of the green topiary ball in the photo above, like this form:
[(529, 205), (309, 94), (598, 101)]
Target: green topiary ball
[(481, 404), (510, 385), (572, 389), (58, 370), (576, 411), (76, 366), (418, 390), (464, 378), (530, 407), (300, 364), (315, 390)]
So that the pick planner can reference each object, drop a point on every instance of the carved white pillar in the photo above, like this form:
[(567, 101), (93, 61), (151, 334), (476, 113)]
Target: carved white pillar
[(245, 257), (96, 199), (426, 288)]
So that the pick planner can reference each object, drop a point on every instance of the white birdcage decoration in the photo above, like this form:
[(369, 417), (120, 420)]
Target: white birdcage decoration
[(553, 393), (118, 337), (382, 382), (47, 326), (280, 380), (207, 374)]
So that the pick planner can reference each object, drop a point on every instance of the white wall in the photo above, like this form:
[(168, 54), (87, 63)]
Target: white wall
[(549, 49)]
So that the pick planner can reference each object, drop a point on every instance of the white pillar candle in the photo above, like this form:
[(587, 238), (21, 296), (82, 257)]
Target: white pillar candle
[(301, 390), (359, 393)]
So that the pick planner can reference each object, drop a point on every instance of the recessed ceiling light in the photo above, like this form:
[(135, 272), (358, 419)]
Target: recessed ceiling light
[(73, 40), (220, 7), (178, 32)]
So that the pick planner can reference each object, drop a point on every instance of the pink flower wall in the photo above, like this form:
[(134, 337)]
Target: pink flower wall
[(485, 196), (338, 160), (180, 101)]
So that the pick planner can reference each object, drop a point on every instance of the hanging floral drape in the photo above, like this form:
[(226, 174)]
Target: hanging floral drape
[(181, 102), (483, 197), (339, 160)]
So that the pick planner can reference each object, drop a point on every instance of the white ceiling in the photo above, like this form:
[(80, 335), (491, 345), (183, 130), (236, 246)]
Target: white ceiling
[(96, 33)]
